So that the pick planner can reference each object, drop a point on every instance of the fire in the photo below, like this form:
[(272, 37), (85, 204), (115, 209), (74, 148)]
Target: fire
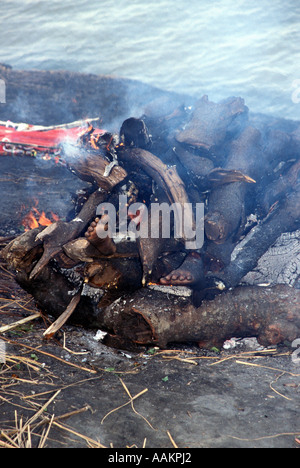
[(35, 218)]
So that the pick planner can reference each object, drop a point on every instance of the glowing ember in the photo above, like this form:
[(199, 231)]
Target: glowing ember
[(35, 218)]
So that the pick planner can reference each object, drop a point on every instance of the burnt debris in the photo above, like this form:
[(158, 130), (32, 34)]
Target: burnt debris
[(239, 166)]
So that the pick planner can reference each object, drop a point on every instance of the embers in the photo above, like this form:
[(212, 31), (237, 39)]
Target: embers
[(36, 218)]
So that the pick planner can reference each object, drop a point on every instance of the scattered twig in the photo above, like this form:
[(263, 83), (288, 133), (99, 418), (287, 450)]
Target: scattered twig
[(11, 326), (91, 442), (50, 332), (276, 391), (92, 371), (130, 402), (172, 440), (267, 367), (273, 436)]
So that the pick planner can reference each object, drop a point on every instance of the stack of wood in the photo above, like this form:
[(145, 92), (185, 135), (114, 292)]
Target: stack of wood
[(244, 169)]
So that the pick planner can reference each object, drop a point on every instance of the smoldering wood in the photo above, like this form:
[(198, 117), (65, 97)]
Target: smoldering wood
[(285, 217), (202, 173), (53, 329), (134, 132), (166, 177), (151, 317), (148, 317), (227, 204), (59, 233), (210, 123), (91, 166), (73, 263), (279, 187)]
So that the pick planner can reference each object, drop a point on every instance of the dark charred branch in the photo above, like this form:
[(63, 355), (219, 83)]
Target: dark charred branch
[(151, 317), (134, 132), (227, 204), (52, 238), (226, 212), (93, 166), (165, 177), (285, 217), (211, 123), (200, 172), (278, 189)]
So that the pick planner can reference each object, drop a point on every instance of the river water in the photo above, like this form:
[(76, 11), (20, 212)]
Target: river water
[(219, 48)]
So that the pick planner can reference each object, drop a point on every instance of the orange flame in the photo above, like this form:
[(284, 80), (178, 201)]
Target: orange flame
[(35, 218)]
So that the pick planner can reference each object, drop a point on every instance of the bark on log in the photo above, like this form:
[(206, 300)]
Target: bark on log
[(227, 203), (280, 187), (91, 165), (211, 123), (21, 252), (174, 190), (285, 217), (166, 177), (152, 317)]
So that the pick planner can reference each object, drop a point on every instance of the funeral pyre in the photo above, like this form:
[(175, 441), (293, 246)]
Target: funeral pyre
[(147, 289)]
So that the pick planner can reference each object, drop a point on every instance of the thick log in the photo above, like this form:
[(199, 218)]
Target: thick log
[(148, 316), (200, 172), (211, 123), (172, 187), (152, 317), (23, 251), (279, 187), (166, 177), (93, 166), (285, 217), (227, 203)]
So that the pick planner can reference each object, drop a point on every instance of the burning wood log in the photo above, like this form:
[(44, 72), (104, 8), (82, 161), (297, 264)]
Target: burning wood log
[(94, 166), (90, 166), (151, 317), (57, 234), (279, 187), (202, 172), (173, 188), (234, 158), (166, 177)]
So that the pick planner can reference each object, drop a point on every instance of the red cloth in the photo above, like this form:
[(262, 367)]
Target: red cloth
[(14, 141)]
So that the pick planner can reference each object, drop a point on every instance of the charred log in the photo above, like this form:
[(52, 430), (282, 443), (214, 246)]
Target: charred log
[(227, 204), (211, 123), (285, 217), (53, 237), (278, 189), (149, 317), (134, 132)]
